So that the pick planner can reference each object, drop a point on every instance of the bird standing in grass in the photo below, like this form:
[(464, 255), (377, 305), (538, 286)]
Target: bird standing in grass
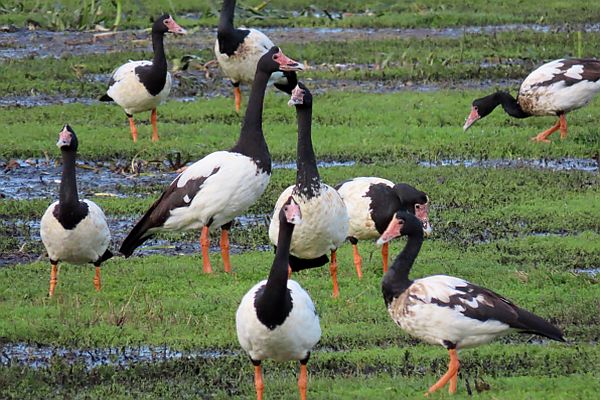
[(73, 231), (214, 190), (446, 310), (554, 88), (238, 50), (277, 319), (142, 85)]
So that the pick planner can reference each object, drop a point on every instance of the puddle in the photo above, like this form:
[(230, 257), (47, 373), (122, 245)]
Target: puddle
[(593, 272), (320, 164), (561, 164), (38, 356)]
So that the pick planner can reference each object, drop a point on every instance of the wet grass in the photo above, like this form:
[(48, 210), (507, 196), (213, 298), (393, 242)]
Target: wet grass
[(72, 14)]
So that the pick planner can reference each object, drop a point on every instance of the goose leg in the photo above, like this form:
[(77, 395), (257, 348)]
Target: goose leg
[(153, 118), (303, 379), (289, 271), (563, 126), (97, 281), (132, 127), (333, 270), (53, 277), (237, 93), (205, 244), (224, 243), (452, 371), (357, 258), (543, 137), (453, 383), (385, 256), (258, 381)]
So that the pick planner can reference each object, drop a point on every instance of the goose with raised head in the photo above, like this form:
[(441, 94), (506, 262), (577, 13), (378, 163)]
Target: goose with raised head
[(554, 89), (214, 190), (445, 310), (324, 213), (371, 204), (73, 231), (142, 85), (238, 50), (277, 319)]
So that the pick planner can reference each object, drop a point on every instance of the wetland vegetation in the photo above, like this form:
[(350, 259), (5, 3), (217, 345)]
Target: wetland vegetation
[(391, 104)]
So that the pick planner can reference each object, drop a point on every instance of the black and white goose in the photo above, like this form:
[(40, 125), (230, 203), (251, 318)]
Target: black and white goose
[(371, 203), (73, 231), (142, 85), (213, 191), (324, 214), (446, 310), (554, 88), (238, 50), (277, 319)]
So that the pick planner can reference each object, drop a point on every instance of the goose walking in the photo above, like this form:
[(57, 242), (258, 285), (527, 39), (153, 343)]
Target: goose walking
[(446, 310), (238, 50), (73, 231), (555, 88), (142, 85), (277, 319), (325, 217), (214, 190), (371, 204)]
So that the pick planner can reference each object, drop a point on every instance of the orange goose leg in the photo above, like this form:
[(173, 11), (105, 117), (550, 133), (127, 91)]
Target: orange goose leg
[(357, 261), (563, 126), (303, 381), (453, 383), (97, 281), (133, 128), (258, 382), (289, 272), (205, 244), (237, 93), (448, 376), (153, 118), (543, 137), (53, 278), (225, 249), (385, 256), (333, 270)]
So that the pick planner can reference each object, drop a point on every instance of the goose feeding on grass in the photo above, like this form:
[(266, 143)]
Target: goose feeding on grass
[(554, 89), (446, 310), (325, 219), (73, 231), (238, 50), (371, 204), (277, 319), (142, 85), (211, 192)]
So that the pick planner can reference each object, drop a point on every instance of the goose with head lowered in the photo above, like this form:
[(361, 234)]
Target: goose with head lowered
[(142, 85), (445, 310), (371, 204), (277, 319), (325, 219), (214, 190), (554, 89), (73, 231), (238, 50)]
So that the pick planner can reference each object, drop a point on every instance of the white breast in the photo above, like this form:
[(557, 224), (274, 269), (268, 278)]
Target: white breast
[(358, 205), (85, 243), (223, 196), (292, 340), (241, 66), (324, 224), (128, 92)]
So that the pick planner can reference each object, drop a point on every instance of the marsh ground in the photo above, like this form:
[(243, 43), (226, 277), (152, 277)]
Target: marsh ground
[(393, 83)]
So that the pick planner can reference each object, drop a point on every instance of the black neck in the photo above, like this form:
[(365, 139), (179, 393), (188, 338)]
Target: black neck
[(277, 281), (396, 280), (68, 183), (252, 141), (226, 17), (159, 62), (307, 174), (510, 105)]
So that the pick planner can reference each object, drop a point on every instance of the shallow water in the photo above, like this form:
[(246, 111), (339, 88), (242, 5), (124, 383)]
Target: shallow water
[(561, 164)]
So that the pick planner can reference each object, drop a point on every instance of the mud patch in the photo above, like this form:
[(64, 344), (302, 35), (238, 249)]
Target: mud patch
[(561, 164), (39, 356)]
